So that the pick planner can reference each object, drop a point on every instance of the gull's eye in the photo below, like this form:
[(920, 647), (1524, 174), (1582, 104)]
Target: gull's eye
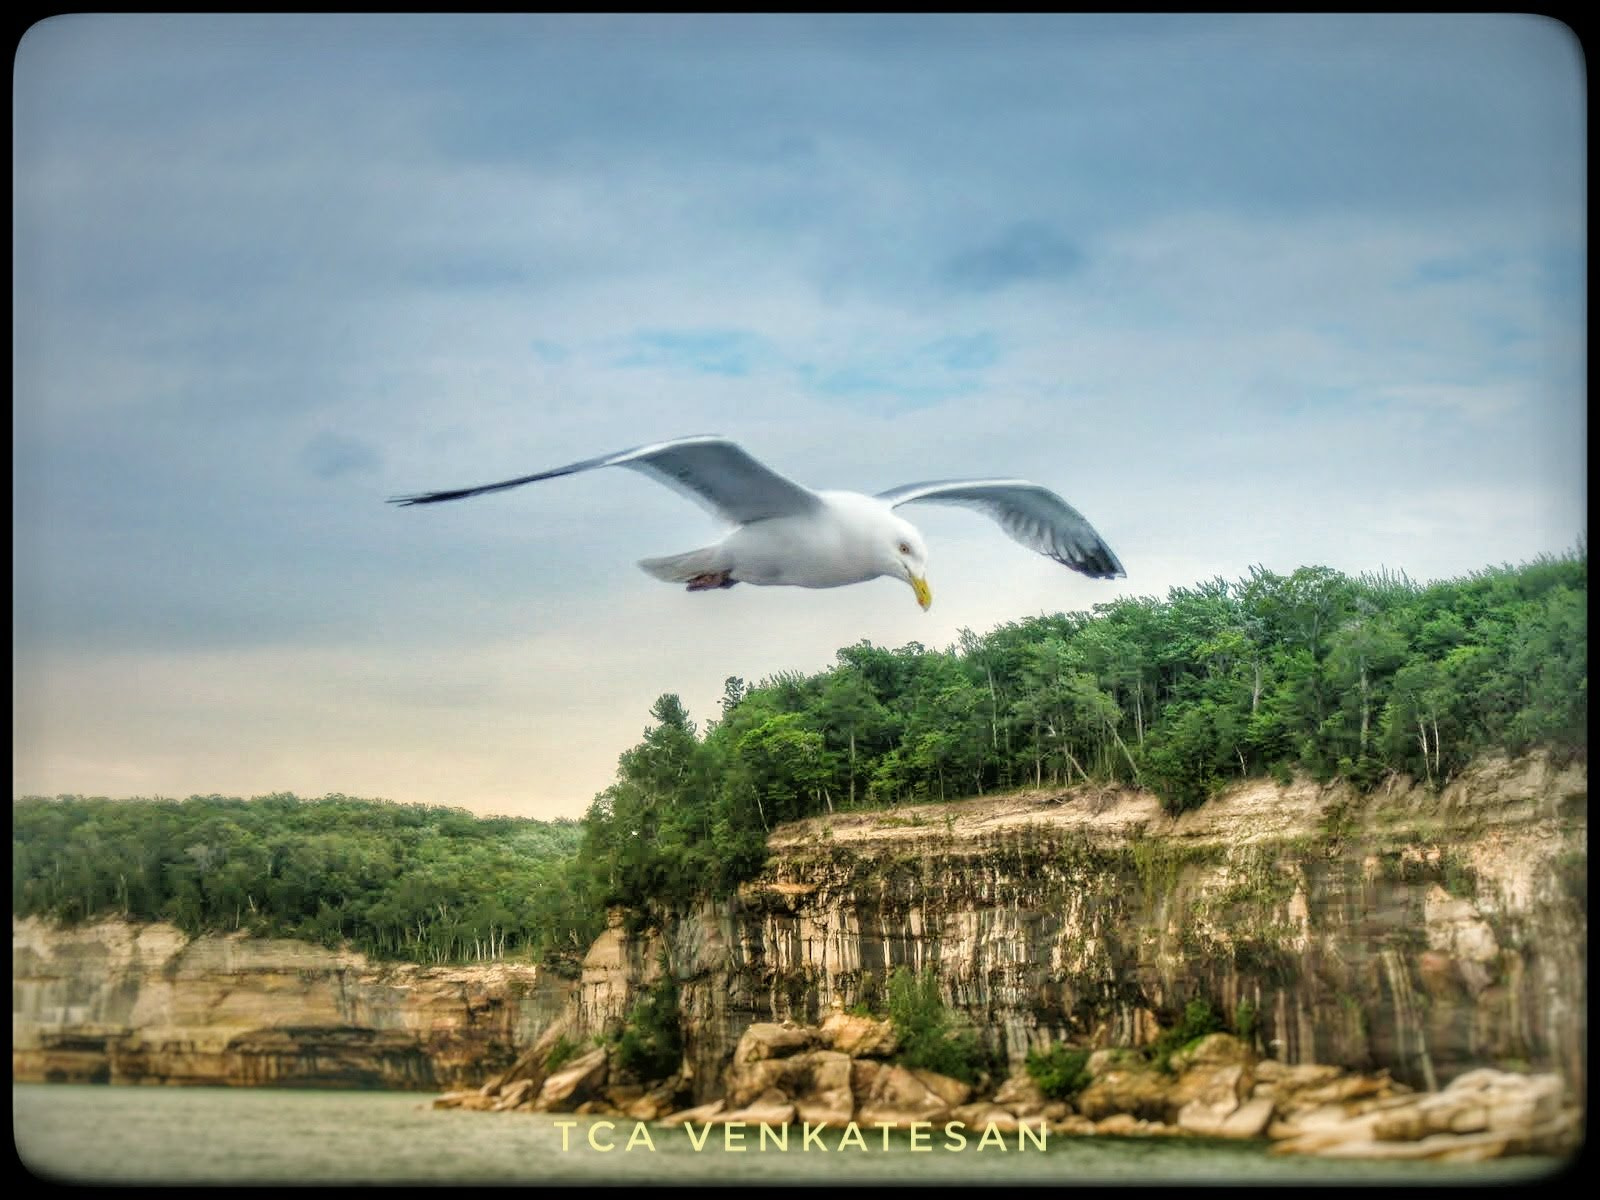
[(904, 549)]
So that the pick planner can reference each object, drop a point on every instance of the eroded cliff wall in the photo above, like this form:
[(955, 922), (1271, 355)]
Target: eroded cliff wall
[(1422, 932), (1426, 933), (124, 1003)]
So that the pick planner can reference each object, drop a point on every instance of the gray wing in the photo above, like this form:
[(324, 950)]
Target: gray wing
[(712, 471), (1033, 515)]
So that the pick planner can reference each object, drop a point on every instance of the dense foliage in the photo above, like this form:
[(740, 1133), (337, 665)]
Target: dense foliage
[(651, 1043), (1314, 671), (1198, 1020), (397, 881), (1061, 1072), (926, 1030)]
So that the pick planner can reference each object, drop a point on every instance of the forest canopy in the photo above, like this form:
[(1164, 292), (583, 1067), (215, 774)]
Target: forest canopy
[(1316, 672), (403, 881)]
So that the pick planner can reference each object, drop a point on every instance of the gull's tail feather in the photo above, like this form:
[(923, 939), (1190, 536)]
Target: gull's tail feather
[(685, 568)]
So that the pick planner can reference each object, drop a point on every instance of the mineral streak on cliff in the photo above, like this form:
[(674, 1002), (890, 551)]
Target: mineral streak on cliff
[(122, 1003), (1426, 933)]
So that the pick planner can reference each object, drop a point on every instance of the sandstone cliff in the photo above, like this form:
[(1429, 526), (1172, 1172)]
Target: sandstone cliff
[(1418, 932), (1421, 933), (122, 1003)]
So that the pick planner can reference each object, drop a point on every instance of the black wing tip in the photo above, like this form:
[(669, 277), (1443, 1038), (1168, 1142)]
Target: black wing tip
[(426, 498), (1098, 563)]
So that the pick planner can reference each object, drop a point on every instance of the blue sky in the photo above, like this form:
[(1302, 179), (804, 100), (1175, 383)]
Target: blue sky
[(1273, 290)]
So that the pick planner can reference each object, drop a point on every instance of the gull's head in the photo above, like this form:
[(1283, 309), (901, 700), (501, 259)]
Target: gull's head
[(908, 558)]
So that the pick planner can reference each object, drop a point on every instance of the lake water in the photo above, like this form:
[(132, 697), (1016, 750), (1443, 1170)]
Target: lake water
[(90, 1134)]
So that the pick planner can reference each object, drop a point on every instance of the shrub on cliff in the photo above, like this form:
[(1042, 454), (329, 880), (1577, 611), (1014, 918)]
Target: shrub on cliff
[(1199, 1019), (927, 1031), (651, 1045), (1061, 1071)]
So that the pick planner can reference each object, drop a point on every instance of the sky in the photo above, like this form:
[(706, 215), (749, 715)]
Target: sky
[(1245, 290)]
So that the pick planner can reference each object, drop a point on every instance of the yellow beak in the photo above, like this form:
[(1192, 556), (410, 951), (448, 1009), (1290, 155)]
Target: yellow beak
[(919, 585)]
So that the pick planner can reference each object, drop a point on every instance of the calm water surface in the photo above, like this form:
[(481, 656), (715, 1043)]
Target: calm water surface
[(238, 1135)]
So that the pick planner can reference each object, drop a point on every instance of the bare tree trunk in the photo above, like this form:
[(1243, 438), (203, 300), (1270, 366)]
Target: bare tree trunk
[(1365, 708), (1075, 763), (852, 768), (994, 710), (1126, 753)]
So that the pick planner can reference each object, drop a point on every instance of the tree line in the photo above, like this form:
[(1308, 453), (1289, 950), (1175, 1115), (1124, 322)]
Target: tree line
[(411, 882), (1315, 671)]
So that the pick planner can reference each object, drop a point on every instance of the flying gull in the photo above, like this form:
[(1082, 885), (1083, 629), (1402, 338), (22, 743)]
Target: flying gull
[(786, 534)]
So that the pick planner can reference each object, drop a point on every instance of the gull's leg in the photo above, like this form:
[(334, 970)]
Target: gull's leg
[(708, 580)]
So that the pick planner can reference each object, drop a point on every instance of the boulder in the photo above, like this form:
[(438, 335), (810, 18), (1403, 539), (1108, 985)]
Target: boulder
[(765, 1040), (952, 1091), (770, 1108), (1342, 1089), (1208, 1094), (1482, 1115), (1138, 1093), (1249, 1120), (656, 1103), (530, 1063), (745, 1081), (863, 1074), (1074, 1125), (898, 1098), (825, 1096), (1117, 1124), (521, 1092), (857, 1036), (1213, 1050), (1287, 1079), (574, 1084), (473, 1100), (1117, 1058), (982, 1114), (1021, 1095)]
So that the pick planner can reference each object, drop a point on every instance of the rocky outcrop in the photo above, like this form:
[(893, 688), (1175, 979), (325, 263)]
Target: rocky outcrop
[(1416, 932), (124, 1003), (1216, 1087)]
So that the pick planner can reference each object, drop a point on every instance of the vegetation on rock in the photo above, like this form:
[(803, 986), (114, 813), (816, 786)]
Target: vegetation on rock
[(651, 1043), (428, 885), (1198, 1019), (1061, 1071), (928, 1034)]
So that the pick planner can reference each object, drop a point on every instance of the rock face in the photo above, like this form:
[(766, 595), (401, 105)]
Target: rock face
[(1365, 944), (1419, 933), (122, 1003)]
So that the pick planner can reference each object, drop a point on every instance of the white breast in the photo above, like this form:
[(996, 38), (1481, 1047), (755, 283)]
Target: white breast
[(839, 545)]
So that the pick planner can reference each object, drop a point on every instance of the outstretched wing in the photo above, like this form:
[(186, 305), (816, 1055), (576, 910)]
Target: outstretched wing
[(1033, 515), (712, 471)]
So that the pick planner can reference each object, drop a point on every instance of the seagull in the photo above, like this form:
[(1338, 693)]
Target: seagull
[(788, 535)]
